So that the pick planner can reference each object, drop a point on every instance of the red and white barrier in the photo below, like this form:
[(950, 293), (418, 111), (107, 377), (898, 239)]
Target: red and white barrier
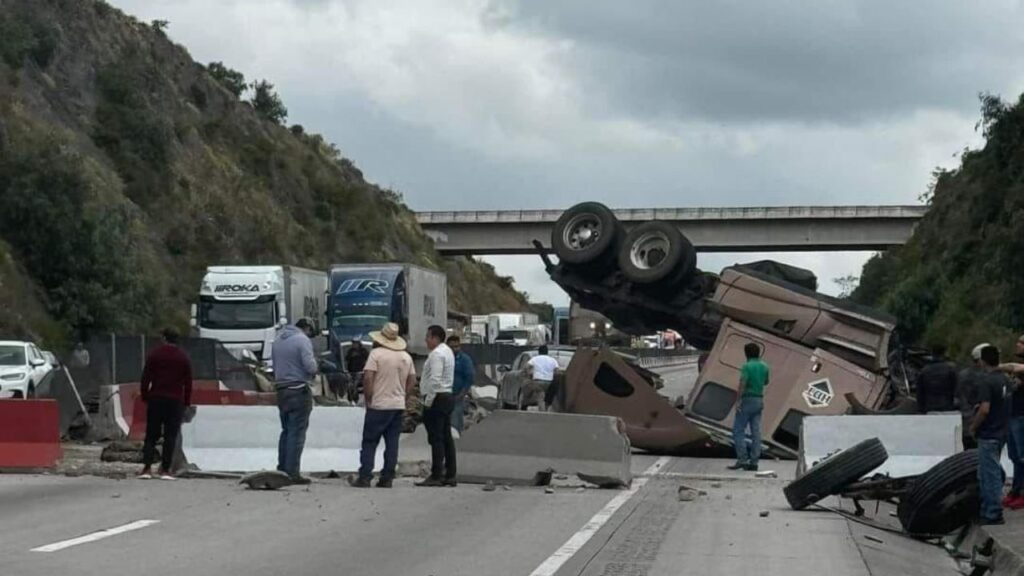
[(29, 434)]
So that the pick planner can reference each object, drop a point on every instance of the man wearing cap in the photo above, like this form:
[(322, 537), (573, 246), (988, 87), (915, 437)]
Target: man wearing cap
[(355, 363), (436, 389), (294, 369), (388, 377), (989, 427), (967, 393), (1015, 439)]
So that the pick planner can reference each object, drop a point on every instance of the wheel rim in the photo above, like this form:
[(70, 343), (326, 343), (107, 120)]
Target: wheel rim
[(582, 232), (649, 250)]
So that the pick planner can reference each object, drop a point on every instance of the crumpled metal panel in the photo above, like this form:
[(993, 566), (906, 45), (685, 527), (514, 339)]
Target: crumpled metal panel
[(599, 381)]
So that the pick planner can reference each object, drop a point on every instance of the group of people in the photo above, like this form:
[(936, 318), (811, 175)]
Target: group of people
[(388, 378), (989, 395)]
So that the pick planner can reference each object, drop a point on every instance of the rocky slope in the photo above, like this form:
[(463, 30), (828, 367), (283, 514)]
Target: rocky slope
[(960, 279), (126, 168)]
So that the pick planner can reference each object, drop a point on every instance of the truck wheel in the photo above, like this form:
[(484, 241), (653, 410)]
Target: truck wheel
[(587, 233), (656, 252), (834, 473), (942, 499)]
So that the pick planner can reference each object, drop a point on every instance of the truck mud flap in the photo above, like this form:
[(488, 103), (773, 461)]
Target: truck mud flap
[(599, 381)]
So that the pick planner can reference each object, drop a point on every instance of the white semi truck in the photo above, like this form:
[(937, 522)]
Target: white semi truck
[(244, 306)]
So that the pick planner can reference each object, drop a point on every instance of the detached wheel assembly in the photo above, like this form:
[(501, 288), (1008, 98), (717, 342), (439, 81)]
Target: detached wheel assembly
[(836, 472), (587, 233), (657, 252), (942, 499)]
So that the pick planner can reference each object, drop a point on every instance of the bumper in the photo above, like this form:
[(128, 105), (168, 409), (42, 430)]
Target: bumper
[(14, 388)]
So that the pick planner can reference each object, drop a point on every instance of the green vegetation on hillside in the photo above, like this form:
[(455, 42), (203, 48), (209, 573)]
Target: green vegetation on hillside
[(960, 279), (126, 168)]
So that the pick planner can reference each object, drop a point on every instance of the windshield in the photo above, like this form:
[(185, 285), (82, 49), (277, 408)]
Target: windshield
[(513, 335), (12, 355), (219, 315)]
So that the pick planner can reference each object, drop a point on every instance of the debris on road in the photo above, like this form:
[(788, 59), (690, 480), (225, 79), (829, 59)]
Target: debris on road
[(490, 487), (267, 480), (687, 494), (765, 513), (549, 490), (766, 474)]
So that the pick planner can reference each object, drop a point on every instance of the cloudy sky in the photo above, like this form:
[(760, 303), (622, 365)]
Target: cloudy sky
[(475, 104)]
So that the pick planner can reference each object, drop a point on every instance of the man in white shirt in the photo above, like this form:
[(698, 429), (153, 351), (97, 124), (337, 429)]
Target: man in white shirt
[(542, 372), (388, 376), (436, 389)]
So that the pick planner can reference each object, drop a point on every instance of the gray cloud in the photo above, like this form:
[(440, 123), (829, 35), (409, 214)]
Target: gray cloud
[(807, 61)]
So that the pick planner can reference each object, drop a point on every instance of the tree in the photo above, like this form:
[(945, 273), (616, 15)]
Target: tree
[(160, 26), (847, 284), (233, 80), (267, 103)]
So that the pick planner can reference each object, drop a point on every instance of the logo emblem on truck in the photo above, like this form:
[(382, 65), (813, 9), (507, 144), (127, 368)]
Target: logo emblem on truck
[(363, 285), (236, 288), (819, 394)]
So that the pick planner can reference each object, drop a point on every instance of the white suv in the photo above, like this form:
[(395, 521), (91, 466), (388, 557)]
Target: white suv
[(22, 368)]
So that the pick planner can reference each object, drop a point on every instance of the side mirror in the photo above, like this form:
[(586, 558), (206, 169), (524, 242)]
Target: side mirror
[(325, 333), (37, 362)]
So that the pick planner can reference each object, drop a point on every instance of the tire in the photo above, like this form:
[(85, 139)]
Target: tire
[(586, 234), (834, 473), (942, 499), (657, 252)]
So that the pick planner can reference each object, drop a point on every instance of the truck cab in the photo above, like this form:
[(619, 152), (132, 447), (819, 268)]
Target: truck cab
[(243, 309)]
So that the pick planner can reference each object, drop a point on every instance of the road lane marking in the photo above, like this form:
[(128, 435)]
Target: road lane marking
[(554, 562), (138, 524)]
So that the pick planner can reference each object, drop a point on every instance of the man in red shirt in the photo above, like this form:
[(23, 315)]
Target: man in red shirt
[(167, 392)]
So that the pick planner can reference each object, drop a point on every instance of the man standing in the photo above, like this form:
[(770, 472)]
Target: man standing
[(464, 374), (936, 384), (754, 376), (294, 369), (436, 389), (989, 428), (387, 380), (166, 388), (355, 363), (967, 393), (542, 368), (1015, 439)]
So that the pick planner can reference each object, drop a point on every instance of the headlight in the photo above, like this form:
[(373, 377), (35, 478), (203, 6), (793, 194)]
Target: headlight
[(16, 376)]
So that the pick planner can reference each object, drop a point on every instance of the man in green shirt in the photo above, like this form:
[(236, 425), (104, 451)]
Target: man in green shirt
[(753, 378)]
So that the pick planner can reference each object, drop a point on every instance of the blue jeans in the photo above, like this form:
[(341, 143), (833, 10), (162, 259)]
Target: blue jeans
[(459, 414), (748, 414), (1015, 446), (294, 407), (379, 424), (990, 478)]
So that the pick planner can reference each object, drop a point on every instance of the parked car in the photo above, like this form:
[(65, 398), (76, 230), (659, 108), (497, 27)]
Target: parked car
[(515, 376), (22, 368)]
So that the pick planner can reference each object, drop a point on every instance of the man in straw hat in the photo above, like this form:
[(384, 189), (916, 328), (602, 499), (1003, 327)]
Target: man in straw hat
[(388, 377)]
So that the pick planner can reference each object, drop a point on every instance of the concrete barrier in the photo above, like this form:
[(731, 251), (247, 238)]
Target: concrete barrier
[(244, 439), (915, 443), (511, 447), (29, 434)]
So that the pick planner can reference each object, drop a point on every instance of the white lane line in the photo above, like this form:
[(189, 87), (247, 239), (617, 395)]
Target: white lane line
[(95, 536), (579, 539)]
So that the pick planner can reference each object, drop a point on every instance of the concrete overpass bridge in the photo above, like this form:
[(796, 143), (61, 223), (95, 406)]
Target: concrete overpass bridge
[(767, 229)]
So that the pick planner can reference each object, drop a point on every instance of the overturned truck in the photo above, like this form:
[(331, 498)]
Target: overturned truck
[(827, 355)]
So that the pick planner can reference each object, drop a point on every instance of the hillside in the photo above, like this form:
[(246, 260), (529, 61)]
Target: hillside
[(126, 168), (960, 279)]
